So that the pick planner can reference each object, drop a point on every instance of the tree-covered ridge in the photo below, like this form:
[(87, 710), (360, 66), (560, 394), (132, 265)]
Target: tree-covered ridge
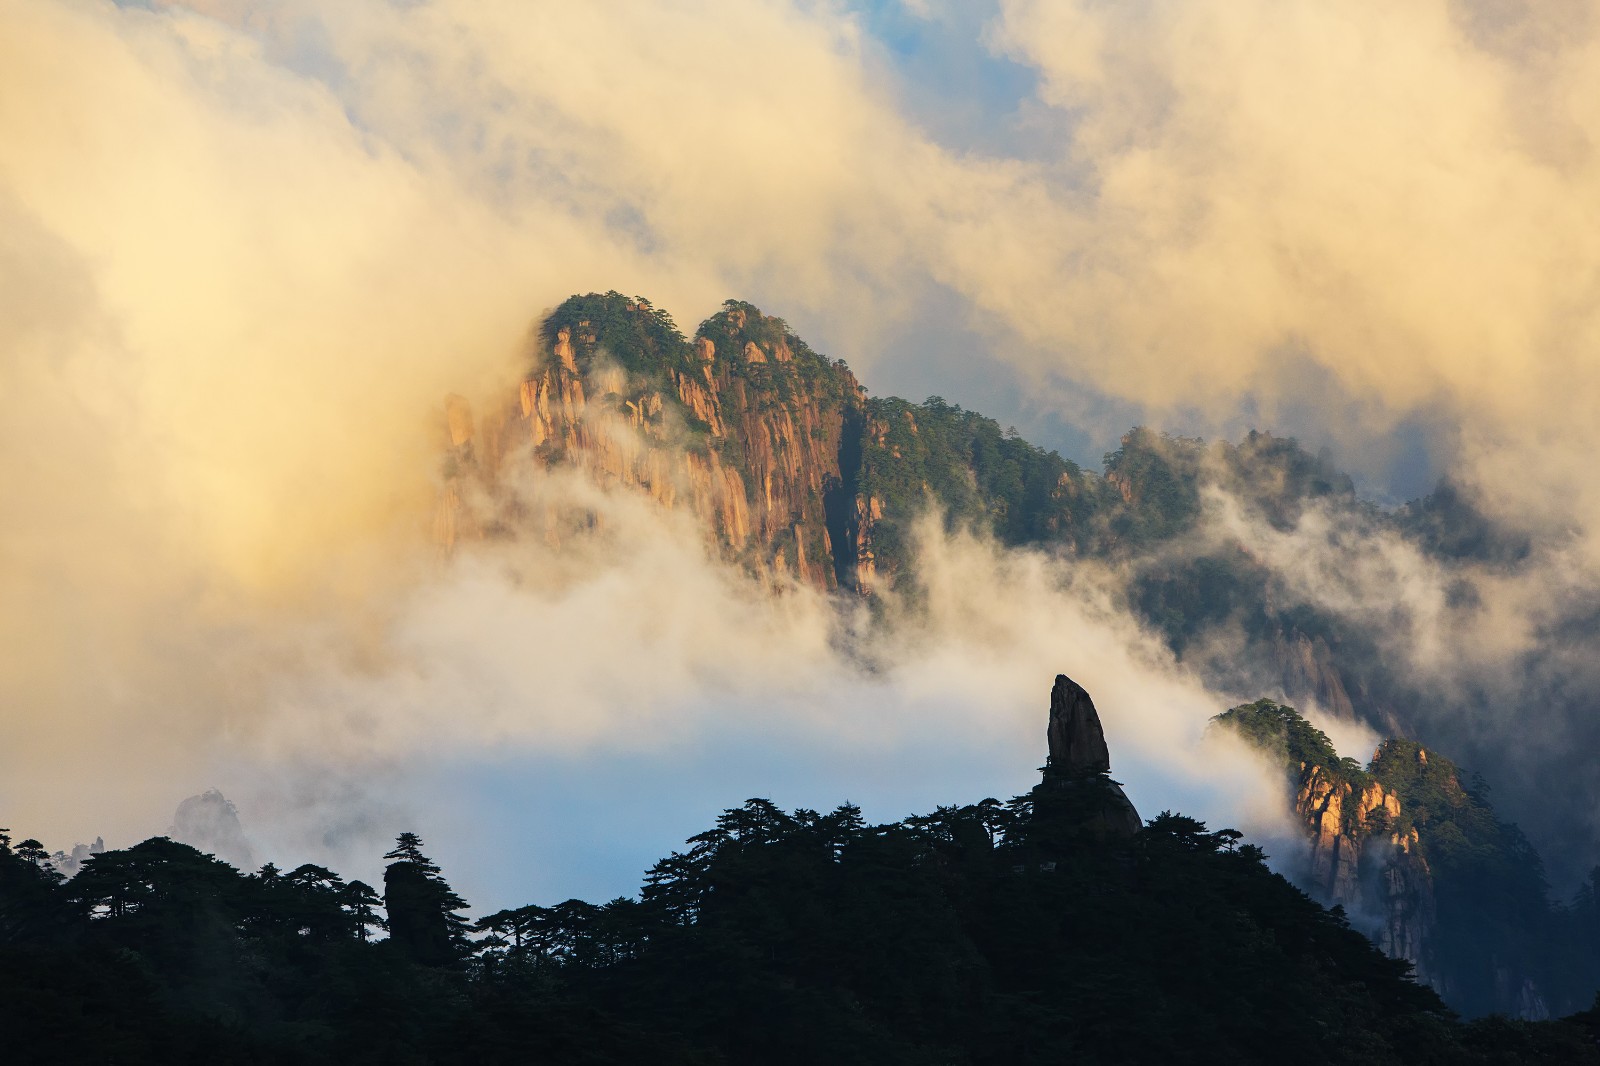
[(788, 365), (643, 340), (904, 458), (960, 462), (911, 455), (1449, 523), (937, 455), (1160, 478), (996, 932), (1284, 735)]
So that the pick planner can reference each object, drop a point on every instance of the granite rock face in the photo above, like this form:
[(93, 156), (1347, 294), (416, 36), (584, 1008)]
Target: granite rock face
[(745, 427), (1366, 860)]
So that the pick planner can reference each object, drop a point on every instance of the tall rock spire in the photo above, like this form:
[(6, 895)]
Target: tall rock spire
[(1077, 742), (1077, 792)]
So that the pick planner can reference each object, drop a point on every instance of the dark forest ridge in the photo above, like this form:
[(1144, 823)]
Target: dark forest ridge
[(1053, 927)]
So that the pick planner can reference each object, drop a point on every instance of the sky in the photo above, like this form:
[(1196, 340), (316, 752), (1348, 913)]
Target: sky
[(246, 248)]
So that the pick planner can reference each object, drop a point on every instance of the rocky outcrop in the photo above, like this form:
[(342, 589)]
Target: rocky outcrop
[(1365, 853), (1077, 740), (1077, 782), (868, 512), (562, 349), (758, 448), (1363, 860), (699, 396), (1405, 897), (1341, 818), (1417, 861)]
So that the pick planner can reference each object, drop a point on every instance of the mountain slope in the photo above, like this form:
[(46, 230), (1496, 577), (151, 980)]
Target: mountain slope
[(795, 469)]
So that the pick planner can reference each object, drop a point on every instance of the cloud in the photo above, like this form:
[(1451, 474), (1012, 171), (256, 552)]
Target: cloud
[(248, 247), (1483, 658), (1285, 199), (649, 652), (247, 250)]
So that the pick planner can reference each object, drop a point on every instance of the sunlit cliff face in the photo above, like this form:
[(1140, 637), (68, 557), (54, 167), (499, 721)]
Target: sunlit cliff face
[(248, 248)]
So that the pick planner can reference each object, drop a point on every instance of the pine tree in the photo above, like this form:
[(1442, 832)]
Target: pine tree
[(424, 923), (360, 903)]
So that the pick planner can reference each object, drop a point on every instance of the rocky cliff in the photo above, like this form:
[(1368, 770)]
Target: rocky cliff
[(1077, 786), (1365, 854), (793, 470), (798, 474), (1365, 859), (1416, 859), (745, 426), (1489, 901)]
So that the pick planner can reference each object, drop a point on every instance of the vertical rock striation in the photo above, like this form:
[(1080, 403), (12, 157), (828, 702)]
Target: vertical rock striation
[(1417, 860), (758, 444), (1367, 860)]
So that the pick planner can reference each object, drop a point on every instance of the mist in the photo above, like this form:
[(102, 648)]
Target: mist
[(249, 247), (559, 715)]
